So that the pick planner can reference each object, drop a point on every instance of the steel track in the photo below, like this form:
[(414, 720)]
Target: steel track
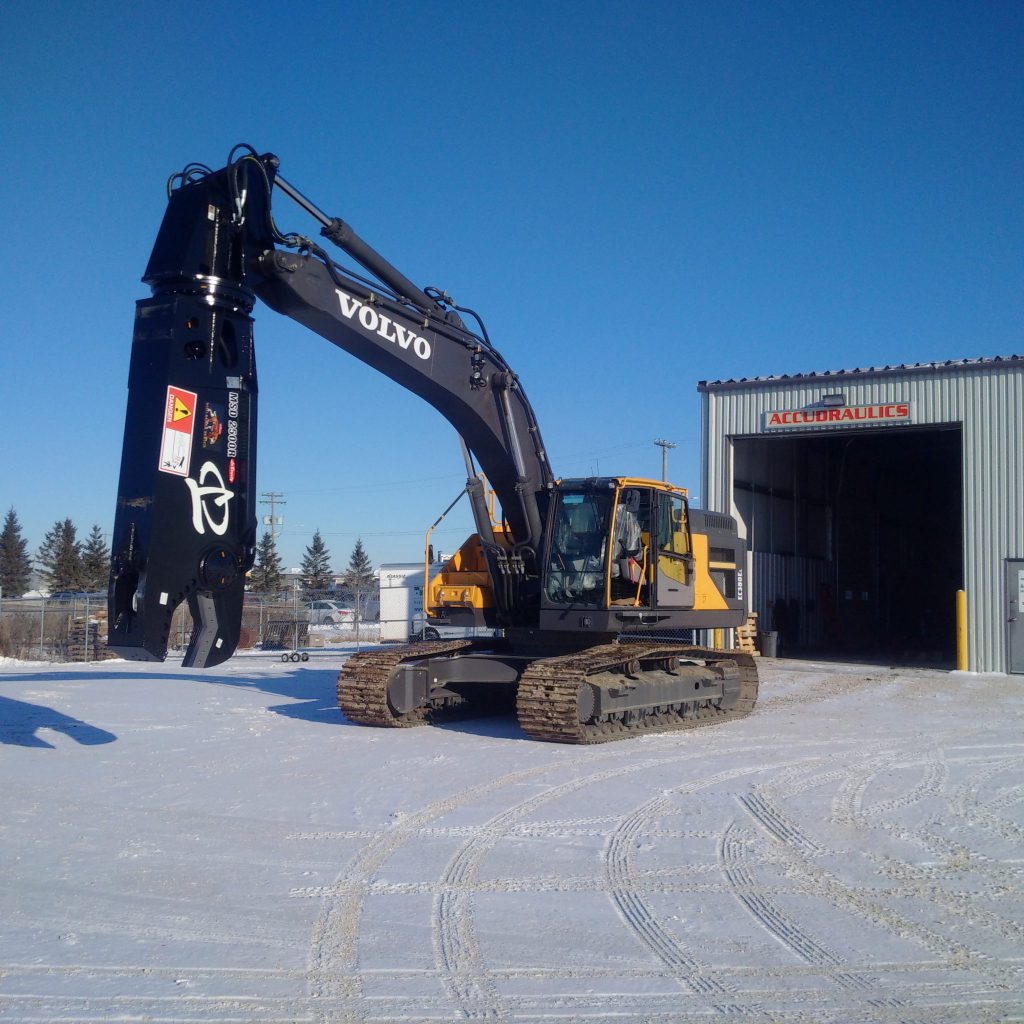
[(548, 692), (363, 687), (546, 702)]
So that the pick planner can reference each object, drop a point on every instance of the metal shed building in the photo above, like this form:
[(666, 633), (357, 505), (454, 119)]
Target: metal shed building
[(869, 497)]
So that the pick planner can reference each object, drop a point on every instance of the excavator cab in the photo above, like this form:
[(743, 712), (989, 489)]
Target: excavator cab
[(626, 553)]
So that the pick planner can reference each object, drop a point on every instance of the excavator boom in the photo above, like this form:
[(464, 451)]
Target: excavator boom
[(185, 526)]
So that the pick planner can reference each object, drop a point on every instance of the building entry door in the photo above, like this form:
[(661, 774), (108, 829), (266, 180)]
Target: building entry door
[(1015, 614)]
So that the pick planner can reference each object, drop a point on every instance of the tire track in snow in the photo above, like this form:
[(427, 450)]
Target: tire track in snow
[(334, 974), (962, 801), (866, 904), (848, 808), (783, 829), (797, 849), (457, 952), (768, 914), (972, 1001), (333, 965), (626, 888), (464, 882), (632, 904), (757, 899), (965, 800)]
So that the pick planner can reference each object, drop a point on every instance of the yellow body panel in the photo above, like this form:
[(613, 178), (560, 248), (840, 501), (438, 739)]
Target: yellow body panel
[(463, 581), (706, 597)]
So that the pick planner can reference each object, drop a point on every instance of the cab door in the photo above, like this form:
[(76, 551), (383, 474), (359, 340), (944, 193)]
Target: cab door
[(675, 572)]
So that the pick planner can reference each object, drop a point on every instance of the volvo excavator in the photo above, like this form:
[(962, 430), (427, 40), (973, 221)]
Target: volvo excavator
[(564, 570)]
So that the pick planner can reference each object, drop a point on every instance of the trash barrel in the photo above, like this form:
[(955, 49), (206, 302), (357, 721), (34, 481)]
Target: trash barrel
[(769, 643)]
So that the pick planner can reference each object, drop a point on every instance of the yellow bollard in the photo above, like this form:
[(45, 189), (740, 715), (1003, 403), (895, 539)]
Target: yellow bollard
[(961, 630), (719, 638)]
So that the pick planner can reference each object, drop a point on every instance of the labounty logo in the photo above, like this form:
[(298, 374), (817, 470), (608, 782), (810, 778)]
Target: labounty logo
[(381, 325), (210, 503)]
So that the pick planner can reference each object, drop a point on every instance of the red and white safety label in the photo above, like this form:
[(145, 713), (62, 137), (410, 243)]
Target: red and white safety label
[(176, 446)]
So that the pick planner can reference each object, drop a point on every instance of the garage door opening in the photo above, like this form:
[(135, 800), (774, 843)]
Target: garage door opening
[(856, 540)]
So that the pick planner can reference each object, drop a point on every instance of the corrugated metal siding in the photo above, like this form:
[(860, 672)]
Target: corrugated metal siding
[(797, 578), (987, 398), (993, 506)]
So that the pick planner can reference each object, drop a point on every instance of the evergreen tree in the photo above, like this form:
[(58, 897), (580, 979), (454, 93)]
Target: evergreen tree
[(15, 565), (95, 561), (266, 576), (316, 567), (359, 575), (60, 557)]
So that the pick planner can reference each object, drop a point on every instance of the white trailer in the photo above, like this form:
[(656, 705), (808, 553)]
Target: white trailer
[(401, 606), (401, 599)]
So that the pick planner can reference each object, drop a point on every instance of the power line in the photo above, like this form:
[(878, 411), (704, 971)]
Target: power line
[(378, 484)]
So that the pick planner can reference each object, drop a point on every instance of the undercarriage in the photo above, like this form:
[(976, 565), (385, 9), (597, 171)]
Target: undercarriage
[(606, 692)]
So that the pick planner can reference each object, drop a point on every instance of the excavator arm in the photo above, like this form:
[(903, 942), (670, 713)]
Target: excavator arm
[(185, 523)]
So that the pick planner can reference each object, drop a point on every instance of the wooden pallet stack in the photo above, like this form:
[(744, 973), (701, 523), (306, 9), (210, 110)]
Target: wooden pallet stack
[(87, 640), (746, 636)]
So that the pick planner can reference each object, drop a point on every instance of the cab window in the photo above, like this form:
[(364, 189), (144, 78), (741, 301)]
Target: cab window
[(576, 570), (673, 529)]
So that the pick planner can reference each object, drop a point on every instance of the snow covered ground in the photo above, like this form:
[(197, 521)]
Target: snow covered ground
[(185, 846)]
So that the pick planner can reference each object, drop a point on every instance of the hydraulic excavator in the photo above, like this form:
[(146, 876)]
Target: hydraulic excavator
[(566, 571)]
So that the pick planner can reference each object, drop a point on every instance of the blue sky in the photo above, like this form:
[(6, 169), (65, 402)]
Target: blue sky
[(635, 197)]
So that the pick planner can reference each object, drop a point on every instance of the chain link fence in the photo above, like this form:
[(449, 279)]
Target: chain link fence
[(61, 628), (73, 628), (294, 621)]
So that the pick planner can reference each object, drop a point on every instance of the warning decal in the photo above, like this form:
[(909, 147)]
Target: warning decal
[(176, 444)]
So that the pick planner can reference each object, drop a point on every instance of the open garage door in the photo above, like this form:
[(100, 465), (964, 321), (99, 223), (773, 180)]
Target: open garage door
[(856, 540)]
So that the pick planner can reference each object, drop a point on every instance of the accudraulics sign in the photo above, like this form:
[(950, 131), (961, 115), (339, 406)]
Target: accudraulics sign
[(847, 415)]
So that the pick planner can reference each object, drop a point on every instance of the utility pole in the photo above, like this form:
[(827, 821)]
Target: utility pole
[(273, 499), (664, 446)]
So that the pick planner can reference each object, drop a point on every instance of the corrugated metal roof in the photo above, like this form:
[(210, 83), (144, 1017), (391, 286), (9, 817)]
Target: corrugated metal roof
[(985, 362)]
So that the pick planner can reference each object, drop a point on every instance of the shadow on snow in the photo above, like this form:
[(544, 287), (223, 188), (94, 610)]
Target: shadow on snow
[(20, 720), (312, 694)]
